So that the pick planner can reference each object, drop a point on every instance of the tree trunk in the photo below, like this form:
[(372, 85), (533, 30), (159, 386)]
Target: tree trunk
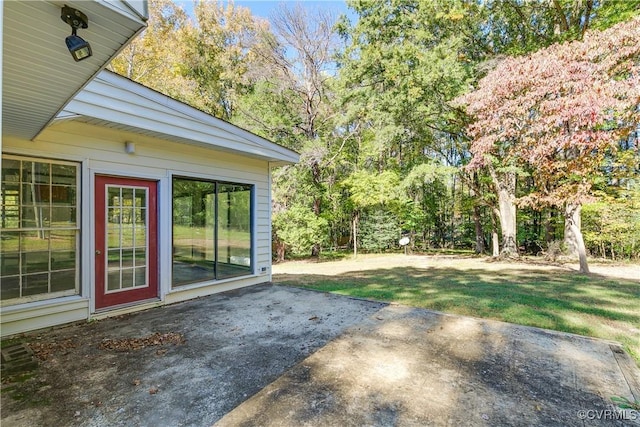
[(506, 202), (548, 226), (573, 235), (355, 234), (505, 185), (280, 251), (495, 238), (478, 226)]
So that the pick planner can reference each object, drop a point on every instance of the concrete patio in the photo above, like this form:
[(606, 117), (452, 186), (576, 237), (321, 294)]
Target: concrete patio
[(272, 355)]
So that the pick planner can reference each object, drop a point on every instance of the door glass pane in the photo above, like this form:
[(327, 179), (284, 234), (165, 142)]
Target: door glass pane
[(113, 258), (127, 278), (127, 235), (141, 276), (140, 257), (127, 257), (113, 196), (127, 197), (113, 279)]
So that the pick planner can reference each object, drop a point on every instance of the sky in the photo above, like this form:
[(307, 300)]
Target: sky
[(264, 8)]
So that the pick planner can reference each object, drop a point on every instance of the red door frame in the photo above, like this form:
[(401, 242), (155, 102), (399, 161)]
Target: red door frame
[(103, 299)]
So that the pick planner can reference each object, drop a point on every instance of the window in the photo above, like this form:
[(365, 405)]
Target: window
[(39, 237), (211, 230)]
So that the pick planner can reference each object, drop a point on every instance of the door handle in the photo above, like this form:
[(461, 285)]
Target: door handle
[(98, 252)]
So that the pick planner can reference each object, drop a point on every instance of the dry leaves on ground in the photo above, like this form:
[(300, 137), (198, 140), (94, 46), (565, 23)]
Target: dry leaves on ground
[(127, 344), (45, 350)]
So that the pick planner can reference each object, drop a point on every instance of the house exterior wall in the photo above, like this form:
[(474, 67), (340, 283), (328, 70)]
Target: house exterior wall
[(101, 150)]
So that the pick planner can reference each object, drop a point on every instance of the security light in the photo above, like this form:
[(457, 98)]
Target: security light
[(78, 47)]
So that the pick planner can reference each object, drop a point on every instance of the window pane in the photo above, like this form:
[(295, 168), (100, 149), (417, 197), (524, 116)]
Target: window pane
[(63, 174), (63, 280), (10, 170), (38, 195), (234, 230), (33, 241), (63, 260), (9, 253), (35, 216), (34, 284), (10, 288), (63, 217), (35, 262), (35, 172), (193, 231), (63, 240), (63, 195)]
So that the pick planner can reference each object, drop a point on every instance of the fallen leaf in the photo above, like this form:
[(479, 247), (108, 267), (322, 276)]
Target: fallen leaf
[(136, 382), (127, 344), (153, 390)]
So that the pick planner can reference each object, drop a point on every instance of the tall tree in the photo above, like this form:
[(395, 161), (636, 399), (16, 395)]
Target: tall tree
[(557, 111), (156, 57), (290, 101), (221, 47)]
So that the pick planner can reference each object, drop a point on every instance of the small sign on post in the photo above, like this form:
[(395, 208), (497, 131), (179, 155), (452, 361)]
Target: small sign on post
[(404, 242)]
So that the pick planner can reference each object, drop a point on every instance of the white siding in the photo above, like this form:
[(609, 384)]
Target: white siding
[(114, 101), (39, 76), (101, 150)]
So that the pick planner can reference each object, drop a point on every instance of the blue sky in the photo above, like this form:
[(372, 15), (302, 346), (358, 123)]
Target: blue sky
[(264, 8)]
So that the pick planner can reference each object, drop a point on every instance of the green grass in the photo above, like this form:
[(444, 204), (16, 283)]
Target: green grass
[(553, 299)]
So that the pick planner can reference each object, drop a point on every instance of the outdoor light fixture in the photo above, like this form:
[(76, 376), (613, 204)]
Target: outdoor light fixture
[(129, 147), (78, 47)]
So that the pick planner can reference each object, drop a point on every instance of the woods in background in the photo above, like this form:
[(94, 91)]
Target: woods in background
[(506, 126)]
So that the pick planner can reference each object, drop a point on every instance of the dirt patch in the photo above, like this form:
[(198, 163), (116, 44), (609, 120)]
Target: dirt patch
[(372, 262)]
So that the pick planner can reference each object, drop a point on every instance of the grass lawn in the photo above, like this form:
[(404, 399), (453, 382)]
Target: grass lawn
[(542, 296)]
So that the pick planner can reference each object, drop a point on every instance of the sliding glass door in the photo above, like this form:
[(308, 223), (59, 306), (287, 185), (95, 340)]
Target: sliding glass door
[(211, 230)]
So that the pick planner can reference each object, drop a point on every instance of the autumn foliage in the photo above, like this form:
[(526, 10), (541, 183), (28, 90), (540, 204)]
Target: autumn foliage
[(558, 111)]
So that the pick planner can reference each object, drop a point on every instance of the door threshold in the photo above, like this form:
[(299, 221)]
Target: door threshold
[(127, 308)]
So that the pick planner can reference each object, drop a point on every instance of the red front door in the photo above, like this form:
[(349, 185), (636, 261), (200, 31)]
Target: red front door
[(126, 240)]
